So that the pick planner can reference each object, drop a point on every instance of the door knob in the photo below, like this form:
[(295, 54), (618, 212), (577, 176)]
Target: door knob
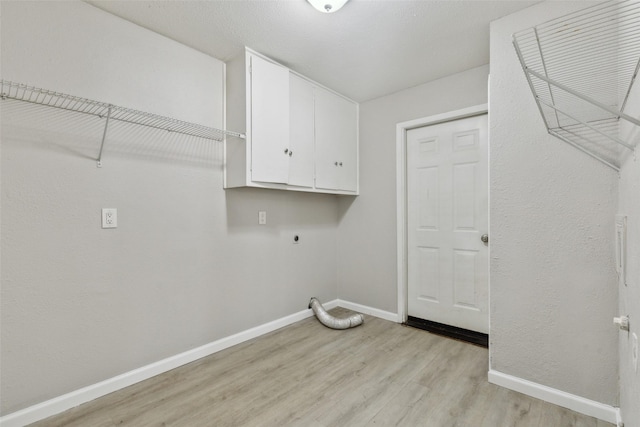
[(485, 238)]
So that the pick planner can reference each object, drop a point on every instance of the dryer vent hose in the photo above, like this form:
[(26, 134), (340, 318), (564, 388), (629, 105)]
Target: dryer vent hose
[(331, 321)]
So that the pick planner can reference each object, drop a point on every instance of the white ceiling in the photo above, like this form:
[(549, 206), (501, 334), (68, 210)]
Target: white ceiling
[(367, 49)]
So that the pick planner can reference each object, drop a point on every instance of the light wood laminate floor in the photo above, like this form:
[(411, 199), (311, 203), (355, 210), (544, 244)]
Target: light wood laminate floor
[(378, 374)]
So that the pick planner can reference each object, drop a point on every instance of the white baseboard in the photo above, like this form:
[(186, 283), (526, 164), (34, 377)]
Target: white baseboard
[(75, 398), (386, 315), (566, 400)]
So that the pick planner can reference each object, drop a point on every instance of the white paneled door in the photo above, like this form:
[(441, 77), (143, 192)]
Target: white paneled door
[(447, 209)]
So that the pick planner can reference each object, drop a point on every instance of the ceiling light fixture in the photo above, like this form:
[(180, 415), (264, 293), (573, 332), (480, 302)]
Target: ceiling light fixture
[(327, 6)]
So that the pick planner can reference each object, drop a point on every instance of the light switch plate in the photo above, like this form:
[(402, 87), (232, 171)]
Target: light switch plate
[(621, 248), (109, 218)]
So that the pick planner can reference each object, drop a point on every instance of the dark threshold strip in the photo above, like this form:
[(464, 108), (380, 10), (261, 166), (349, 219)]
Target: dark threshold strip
[(472, 337)]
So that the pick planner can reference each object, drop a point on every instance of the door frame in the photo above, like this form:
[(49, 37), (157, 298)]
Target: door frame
[(401, 191)]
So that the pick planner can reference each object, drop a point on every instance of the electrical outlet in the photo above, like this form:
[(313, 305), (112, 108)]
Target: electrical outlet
[(109, 218), (634, 351), (262, 217)]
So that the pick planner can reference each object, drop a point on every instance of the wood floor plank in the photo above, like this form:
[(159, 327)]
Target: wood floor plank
[(378, 374), (403, 408), (509, 408), (564, 417)]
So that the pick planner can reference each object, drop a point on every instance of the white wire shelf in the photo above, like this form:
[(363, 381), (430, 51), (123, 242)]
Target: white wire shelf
[(34, 95), (581, 69)]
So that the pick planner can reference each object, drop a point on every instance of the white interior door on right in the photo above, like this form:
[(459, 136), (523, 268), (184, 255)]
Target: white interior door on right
[(447, 221)]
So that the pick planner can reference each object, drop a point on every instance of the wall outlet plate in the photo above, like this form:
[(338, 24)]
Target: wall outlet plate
[(109, 218), (621, 248), (634, 351)]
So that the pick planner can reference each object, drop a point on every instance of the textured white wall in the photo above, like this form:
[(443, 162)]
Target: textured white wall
[(188, 263), (629, 205), (367, 231), (553, 282)]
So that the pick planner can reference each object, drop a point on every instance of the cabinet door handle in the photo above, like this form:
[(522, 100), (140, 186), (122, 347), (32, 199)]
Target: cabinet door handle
[(336, 163), (286, 150), (290, 153), (340, 164)]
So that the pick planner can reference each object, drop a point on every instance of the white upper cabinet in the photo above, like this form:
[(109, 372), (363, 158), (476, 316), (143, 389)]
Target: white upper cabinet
[(336, 154), (300, 135), (301, 132), (269, 121)]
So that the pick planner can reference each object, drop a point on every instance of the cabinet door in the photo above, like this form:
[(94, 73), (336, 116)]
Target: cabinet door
[(348, 163), (336, 142), (269, 121), (301, 132)]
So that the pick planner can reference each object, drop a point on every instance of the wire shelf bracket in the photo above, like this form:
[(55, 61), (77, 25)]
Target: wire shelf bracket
[(34, 95), (581, 69)]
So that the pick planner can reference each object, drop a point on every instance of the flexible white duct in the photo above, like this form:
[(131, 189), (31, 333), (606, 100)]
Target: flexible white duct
[(331, 321)]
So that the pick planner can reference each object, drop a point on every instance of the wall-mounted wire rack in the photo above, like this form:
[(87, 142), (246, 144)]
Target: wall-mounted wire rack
[(581, 69), (34, 95)]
